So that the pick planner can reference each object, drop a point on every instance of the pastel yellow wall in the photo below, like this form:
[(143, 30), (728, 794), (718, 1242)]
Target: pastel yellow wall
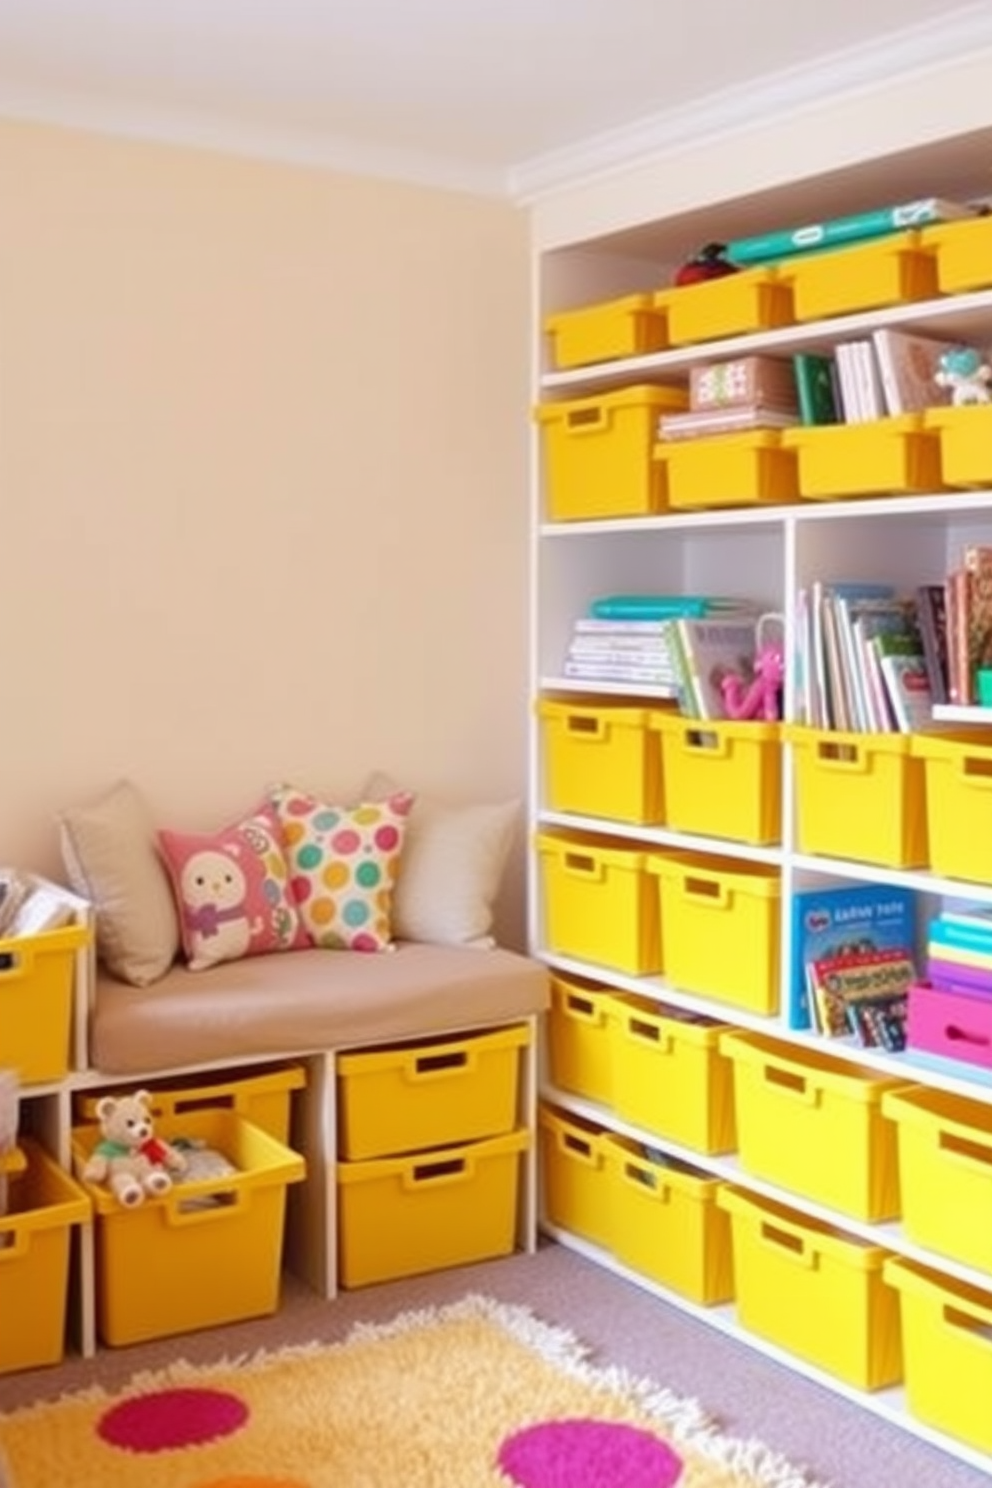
[(263, 483)]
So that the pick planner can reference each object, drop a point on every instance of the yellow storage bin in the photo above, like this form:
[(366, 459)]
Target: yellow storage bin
[(37, 986), (574, 1177), (670, 1077), (957, 768), (602, 759), (751, 300), (597, 453), (860, 796), (885, 271), (600, 902), (888, 456), (721, 919), (429, 1093), (814, 1291), (261, 1097), (724, 778), (753, 469), (35, 1242), (814, 1124), (965, 436), (666, 1223), (945, 1158), (629, 326), (947, 1347), (963, 252), (165, 1267), (579, 1038), (402, 1216)]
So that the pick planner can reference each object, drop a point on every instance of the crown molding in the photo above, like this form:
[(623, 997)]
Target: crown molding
[(763, 101), (287, 147)]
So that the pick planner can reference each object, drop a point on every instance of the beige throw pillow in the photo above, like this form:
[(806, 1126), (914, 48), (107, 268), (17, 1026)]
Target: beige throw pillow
[(111, 856), (450, 869)]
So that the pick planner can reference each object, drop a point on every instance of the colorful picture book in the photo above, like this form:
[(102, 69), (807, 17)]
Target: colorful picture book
[(850, 921)]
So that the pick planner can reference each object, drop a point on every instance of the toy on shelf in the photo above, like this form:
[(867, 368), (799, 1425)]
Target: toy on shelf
[(708, 263), (761, 695), (966, 374), (129, 1158)]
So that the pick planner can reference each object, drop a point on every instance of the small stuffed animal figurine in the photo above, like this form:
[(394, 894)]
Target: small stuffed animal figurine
[(966, 374), (762, 696), (129, 1158), (708, 263)]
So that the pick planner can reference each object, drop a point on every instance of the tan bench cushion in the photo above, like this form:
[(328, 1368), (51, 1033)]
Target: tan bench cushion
[(307, 1001)]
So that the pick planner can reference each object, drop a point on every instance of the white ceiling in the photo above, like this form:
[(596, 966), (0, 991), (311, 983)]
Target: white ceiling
[(489, 95)]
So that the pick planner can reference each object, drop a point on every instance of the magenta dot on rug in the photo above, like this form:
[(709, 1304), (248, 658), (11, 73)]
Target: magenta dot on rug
[(588, 1454), (172, 1418)]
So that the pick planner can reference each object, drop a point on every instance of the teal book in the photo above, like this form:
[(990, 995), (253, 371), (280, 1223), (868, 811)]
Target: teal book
[(839, 232), (815, 388), (662, 606)]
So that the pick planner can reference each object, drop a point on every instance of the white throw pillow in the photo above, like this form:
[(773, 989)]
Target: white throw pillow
[(451, 867), (111, 857)]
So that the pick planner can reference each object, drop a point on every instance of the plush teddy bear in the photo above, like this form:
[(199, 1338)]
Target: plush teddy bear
[(129, 1158)]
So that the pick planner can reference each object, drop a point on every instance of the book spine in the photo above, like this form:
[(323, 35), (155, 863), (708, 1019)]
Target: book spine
[(931, 618), (648, 607), (956, 600)]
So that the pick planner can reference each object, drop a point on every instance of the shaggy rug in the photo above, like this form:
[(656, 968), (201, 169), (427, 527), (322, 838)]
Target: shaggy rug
[(473, 1395)]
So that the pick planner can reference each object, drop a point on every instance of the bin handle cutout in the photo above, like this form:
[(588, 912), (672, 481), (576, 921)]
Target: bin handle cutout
[(954, 1034), (578, 1147), (977, 771), (448, 1062), (585, 420), (641, 1177), (587, 725), (203, 1205), (584, 865), (640, 1028), (788, 1241), (16, 964), (835, 756), (581, 1008), (708, 889), (444, 1170), (706, 739), (795, 1084), (964, 1150)]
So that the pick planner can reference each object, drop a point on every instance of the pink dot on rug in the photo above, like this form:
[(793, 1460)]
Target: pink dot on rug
[(588, 1454), (172, 1418)]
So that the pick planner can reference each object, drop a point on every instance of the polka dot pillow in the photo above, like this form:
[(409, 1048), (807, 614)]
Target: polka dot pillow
[(343, 862)]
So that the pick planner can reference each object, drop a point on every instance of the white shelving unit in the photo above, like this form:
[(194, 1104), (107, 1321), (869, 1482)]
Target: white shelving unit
[(767, 554)]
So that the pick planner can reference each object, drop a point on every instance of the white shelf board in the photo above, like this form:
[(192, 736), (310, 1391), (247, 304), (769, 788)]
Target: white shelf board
[(889, 1404), (728, 1166), (960, 1079), (607, 689), (950, 316), (663, 836), (962, 713), (918, 879)]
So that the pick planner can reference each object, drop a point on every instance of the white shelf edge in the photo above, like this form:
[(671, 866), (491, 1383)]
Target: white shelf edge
[(919, 879), (608, 689), (887, 1233), (889, 1404), (797, 337), (664, 836), (962, 713), (938, 504), (974, 1083)]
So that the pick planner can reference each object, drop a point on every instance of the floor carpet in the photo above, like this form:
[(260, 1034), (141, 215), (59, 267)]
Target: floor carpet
[(471, 1394)]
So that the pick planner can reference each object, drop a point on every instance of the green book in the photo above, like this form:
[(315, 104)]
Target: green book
[(815, 388)]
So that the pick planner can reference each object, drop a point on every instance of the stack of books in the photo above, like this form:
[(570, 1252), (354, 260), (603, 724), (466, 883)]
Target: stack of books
[(861, 663), (750, 392), (676, 642), (959, 952), (882, 375)]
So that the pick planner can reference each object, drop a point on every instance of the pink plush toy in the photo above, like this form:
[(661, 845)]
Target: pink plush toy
[(761, 697)]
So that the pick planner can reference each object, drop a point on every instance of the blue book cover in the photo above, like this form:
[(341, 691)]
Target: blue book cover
[(835, 922)]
